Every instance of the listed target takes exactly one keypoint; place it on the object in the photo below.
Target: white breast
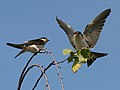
(34, 48)
(80, 43)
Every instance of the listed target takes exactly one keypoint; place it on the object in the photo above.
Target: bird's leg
(44, 51)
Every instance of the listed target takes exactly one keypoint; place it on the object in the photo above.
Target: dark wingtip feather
(56, 17)
(9, 44)
(109, 9)
(19, 46)
(105, 54)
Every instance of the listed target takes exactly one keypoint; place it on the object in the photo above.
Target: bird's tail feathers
(100, 54)
(19, 53)
(94, 56)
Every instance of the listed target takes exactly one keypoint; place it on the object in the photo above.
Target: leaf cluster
(77, 57)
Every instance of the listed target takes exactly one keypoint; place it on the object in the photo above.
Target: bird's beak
(76, 34)
(48, 40)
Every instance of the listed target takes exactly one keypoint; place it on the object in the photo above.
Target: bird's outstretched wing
(68, 30)
(92, 30)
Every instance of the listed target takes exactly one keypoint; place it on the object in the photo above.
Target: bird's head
(44, 39)
(78, 34)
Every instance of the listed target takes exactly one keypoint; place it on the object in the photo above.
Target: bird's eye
(78, 33)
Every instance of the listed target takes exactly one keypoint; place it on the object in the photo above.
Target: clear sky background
(22, 20)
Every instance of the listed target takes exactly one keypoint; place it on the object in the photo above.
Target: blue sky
(22, 20)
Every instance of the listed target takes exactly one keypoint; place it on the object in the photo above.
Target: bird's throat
(80, 42)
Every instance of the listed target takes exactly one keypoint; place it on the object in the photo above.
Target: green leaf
(70, 59)
(85, 53)
(76, 59)
(78, 52)
(66, 51)
(80, 57)
(75, 67)
(72, 54)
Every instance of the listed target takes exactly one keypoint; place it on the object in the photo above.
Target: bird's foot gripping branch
(79, 57)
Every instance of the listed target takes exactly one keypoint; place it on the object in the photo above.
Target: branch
(52, 63)
(62, 61)
(42, 75)
(24, 72)
(36, 65)
(21, 76)
(59, 74)
(46, 79)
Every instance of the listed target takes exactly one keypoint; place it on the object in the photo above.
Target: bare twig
(62, 61)
(24, 72)
(59, 74)
(36, 65)
(47, 82)
(42, 74)
(21, 76)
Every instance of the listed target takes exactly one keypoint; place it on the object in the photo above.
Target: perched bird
(90, 35)
(32, 46)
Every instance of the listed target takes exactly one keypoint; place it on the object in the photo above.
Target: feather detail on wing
(93, 30)
(68, 30)
(35, 41)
